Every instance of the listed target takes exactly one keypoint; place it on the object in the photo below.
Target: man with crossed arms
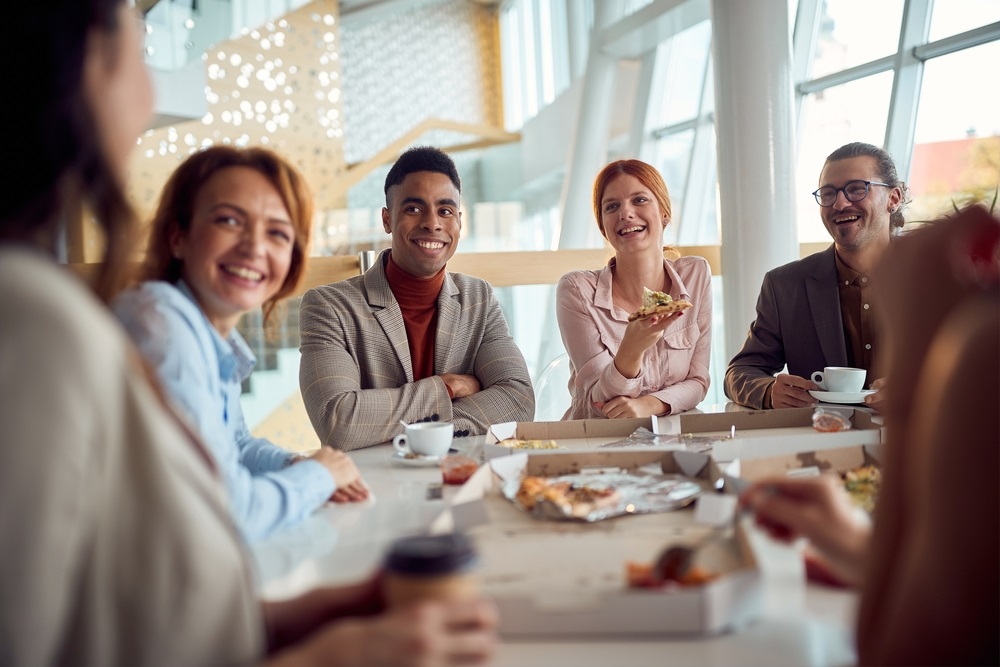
(820, 311)
(408, 341)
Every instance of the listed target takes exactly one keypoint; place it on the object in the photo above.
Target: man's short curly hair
(421, 158)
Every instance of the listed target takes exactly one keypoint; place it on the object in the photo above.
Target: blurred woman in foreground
(229, 237)
(652, 366)
(927, 568)
(118, 548)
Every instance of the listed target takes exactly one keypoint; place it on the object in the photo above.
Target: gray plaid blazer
(356, 374)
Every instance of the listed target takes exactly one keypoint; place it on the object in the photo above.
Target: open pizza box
(567, 578)
(573, 434)
(734, 435)
(813, 462)
(769, 433)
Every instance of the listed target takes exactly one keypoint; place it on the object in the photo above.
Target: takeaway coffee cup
(840, 379)
(430, 567)
(425, 439)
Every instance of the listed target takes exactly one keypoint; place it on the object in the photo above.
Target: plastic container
(430, 567)
(457, 469)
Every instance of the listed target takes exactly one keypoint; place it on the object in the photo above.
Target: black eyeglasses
(854, 191)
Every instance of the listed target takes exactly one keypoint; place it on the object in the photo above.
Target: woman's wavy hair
(176, 208)
(647, 175)
(50, 133)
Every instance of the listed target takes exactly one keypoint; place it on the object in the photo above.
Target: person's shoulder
(348, 287)
(467, 283)
(691, 265)
(161, 310)
(805, 266)
(53, 309)
(581, 277)
(153, 295)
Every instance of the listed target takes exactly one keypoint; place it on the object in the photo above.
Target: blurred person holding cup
(927, 566)
(119, 548)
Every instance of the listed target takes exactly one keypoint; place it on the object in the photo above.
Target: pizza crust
(658, 303)
(664, 309)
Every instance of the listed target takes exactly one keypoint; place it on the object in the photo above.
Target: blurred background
(532, 97)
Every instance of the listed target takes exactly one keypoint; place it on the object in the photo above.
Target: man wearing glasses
(820, 311)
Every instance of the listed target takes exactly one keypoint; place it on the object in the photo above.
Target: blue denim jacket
(202, 372)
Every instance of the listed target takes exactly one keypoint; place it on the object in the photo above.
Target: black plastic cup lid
(429, 555)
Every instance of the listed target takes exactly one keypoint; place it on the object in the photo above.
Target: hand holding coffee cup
(430, 567)
(430, 439)
(840, 379)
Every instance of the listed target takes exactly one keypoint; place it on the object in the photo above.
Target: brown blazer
(356, 374)
(798, 323)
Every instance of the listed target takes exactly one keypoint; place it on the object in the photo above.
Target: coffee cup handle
(399, 442)
(817, 378)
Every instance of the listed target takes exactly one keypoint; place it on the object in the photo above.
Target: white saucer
(841, 396)
(415, 460)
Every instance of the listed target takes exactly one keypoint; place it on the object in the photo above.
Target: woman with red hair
(650, 366)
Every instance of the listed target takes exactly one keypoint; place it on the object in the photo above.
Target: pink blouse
(675, 370)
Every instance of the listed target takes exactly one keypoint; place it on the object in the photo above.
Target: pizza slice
(658, 303)
(863, 485)
(577, 501)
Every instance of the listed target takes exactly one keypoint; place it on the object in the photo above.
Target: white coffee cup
(840, 379)
(425, 439)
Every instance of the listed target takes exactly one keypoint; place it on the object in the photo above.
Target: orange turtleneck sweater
(417, 298)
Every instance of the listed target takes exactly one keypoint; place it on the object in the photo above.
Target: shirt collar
(235, 357)
(845, 274)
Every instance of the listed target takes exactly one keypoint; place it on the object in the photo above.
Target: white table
(801, 625)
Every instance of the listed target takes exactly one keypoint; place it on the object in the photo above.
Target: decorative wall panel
(278, 85)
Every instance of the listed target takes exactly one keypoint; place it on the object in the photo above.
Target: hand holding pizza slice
(658, 303)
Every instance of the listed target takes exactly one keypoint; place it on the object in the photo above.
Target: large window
(932, 104)
(853, 32)
(535, 52)
(951, 17)
(956, 150)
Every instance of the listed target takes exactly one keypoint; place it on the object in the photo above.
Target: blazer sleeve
(507, 394)
(751, 372)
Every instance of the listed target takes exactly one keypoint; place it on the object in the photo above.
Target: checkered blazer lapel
(387, 313)
(448, 326)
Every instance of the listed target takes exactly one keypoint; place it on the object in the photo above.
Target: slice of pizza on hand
(658, 303)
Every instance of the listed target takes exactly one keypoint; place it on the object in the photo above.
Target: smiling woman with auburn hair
(229, 237)
(176, 209)
(653, 365)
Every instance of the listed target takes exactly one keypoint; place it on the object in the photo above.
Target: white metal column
(756, 151)
(590, 140)
(902, 124)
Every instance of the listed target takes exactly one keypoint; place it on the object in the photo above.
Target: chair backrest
(552, 398)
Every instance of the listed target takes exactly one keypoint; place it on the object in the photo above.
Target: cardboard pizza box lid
(825, 460)
(572, 429)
